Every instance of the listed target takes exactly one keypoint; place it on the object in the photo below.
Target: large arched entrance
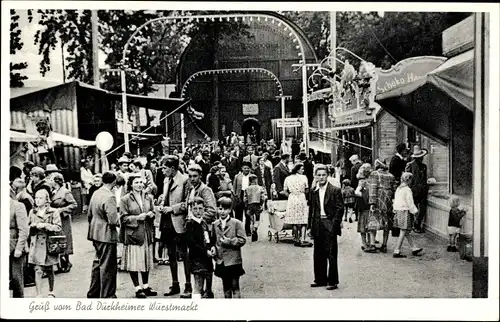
(250, 129)
(227, 99)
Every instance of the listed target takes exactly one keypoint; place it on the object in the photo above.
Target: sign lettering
(287, 123)
(406, 76)
(250, 109)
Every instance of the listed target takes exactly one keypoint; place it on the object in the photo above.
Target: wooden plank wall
(387, 134)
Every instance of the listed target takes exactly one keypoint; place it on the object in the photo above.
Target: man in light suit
(280, 172)
(251, 157)
(103, 232)
(325, 217)
(173, 222)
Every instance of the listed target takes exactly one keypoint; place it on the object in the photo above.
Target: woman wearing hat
(64, 201)
(87, 178)
(123, 170)
(419, 186)
(381, 192)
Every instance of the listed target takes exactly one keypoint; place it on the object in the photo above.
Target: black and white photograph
(163, 156)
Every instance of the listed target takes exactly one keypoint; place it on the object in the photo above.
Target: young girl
(404, 210)
(200, 249)
(229, 236)
(348, 195)
(454, 223)
(362, 200)
(44, 221)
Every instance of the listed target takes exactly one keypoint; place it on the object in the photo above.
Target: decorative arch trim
(231, 71)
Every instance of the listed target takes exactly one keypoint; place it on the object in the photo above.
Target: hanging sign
(250, 109)
(291, 122)
(406, 76)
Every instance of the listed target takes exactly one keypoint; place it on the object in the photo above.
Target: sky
(29, 54)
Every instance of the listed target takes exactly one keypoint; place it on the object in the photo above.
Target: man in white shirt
(241, 183)
(325, 217)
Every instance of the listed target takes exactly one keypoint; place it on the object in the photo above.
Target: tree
(381, 40)
(16, 79)
(155, 51)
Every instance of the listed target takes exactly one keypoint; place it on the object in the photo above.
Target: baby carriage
(277, 228)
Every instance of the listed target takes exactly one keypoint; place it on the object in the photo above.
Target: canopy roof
(58, 137)
(432, 108)
(161, 104)
(456, 78)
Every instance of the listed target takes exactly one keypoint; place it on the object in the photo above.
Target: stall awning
(22, 137)
(58, 137)
(16, 136)
(456, 78)
(443, 99)
(320, 147)
(156, 103)
(345, 127)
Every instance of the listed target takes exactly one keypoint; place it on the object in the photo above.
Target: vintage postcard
(192, 160)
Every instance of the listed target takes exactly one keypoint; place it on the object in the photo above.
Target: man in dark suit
(325, 217)
(103, 232)
(264, 176)
(398, 162)
(205, 165)
(280, 172)
(158, 177)
(308, 167)
(356, 164)
(215, 156)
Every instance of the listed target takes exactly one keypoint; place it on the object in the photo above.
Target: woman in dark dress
(64, 201)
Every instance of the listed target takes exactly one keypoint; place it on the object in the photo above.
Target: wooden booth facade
(241, 101)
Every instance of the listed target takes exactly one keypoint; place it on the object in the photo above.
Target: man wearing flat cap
(39, 181)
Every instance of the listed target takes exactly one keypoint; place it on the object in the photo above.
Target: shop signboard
(406, 76)
(458, 38)
(290, 122)
(250, 109)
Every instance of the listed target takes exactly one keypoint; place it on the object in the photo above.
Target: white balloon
(104, 141)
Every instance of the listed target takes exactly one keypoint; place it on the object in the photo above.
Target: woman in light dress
(405, 210)
(137, 235)
(297, 212)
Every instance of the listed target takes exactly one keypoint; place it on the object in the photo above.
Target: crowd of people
(199, 207)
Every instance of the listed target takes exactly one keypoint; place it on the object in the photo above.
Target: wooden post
(480, 171)
(95, 48)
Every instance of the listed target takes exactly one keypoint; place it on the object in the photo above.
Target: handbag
(373, 220)
(56, 244)
(395, 231)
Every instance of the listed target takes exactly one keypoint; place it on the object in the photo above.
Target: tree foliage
(16, 78)
(382, 40)
(152, 56)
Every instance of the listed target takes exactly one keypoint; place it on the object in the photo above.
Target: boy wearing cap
(254, 198)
